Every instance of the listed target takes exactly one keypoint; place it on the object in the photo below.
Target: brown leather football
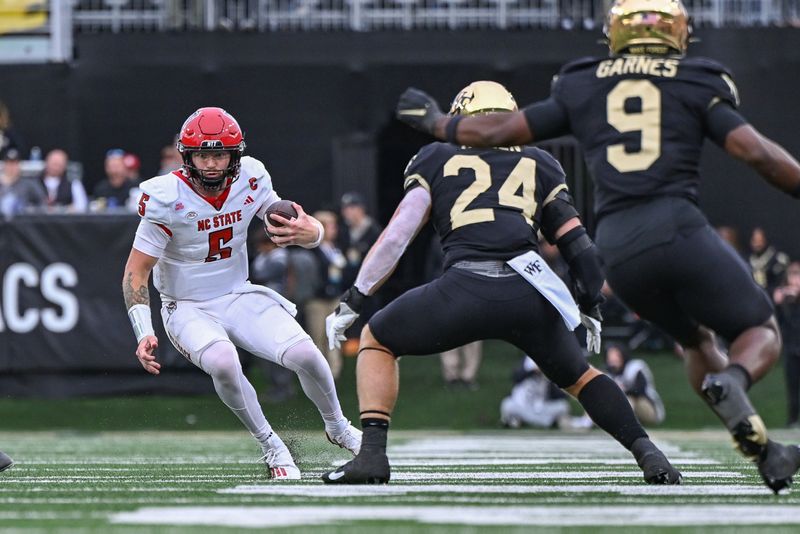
(283, 208)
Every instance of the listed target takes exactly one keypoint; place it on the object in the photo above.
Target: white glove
(593, 329)
(337, 322)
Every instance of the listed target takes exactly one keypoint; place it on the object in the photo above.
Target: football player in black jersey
(487, 206)
(641, 116)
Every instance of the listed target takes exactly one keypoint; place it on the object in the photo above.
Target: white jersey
(200, 243)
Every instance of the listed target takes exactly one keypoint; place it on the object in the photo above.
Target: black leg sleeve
(610, 410)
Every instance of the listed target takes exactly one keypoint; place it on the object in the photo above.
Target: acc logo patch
(191, 215)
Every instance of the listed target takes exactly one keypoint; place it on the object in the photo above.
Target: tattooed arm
(137, 300)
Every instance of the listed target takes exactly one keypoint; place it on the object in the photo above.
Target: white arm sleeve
(150, 238)
(411, 214)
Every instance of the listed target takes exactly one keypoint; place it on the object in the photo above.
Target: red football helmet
(211, 129)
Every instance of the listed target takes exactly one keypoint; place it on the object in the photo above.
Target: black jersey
(487, 203)
(641, 121)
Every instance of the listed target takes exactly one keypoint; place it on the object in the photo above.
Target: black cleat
(777, 464)
(655, 466)
(369, 467)
(5, 461)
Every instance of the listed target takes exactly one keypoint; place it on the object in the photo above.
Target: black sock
(610, 410)
(375, 432)
(740, 374)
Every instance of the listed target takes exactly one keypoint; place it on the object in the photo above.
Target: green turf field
(424, 401)
(498, 481)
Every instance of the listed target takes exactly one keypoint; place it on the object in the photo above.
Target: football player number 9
(647, 121)
(523, 176)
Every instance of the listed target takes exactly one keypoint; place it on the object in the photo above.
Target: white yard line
(281, 516)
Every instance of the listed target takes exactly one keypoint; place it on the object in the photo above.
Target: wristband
(795, 192)
(450, 129)
(139, 314)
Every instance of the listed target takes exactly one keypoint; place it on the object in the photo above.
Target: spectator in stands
(361, 233)
(730, 235)
(270, 268)
(60, 190)
(114, 191)
(331, 262)
(767, 263)
(17, 194)
(636, 380)
(787, 302)
(9, 136)
(171, 160)
(132, 166)
(460, 366)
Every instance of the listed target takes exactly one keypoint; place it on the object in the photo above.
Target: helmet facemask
(199, 177)
(211, 130)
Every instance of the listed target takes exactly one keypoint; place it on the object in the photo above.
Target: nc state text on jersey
(224, 219)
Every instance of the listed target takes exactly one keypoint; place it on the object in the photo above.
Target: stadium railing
(366, 15)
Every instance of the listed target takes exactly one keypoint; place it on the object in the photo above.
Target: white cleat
(350, 439)
(279, 462)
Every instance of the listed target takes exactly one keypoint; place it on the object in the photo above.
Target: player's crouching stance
(193, 235)
(486, 205)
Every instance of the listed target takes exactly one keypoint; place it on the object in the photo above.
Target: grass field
(498, 481)
(185, 464)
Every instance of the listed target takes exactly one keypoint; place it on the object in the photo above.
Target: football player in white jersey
(192, 235)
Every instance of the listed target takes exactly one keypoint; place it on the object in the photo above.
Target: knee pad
(221, 360)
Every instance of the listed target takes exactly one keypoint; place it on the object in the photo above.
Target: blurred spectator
(460, 365)
(171, 160)
(636, 380)
(114, 191)
(331, 262)
(361, 233)
(132, 166)
(270, 268)
(9, 137)
(60, 190)
(730, 235)
(787, 304)
(535, 401)
(17, 194)
(768, 265)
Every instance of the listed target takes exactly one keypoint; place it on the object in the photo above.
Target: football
(283, 208)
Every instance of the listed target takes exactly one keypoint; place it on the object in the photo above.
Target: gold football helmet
(647, 26)
(482, 97)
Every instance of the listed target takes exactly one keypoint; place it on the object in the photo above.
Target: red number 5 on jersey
(215, 241)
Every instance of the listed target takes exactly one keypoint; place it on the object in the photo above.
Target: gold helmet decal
(647, 26)
(482, 97)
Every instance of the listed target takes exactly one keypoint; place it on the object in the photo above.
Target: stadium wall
(313, 102)
(318, 109)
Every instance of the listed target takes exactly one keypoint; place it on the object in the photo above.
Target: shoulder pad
(707, 64)
(421, 167)
(253, 168)
(162, 189)
(580, 64)
(425, 153)
(544, 158)
(162, 192)
(713, 75)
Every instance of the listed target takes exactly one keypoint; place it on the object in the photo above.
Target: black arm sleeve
(555, 213)
(581, 255)
(721, 119)
(546, 119)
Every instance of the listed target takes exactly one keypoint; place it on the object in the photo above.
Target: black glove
(419, 110)
(353, 298)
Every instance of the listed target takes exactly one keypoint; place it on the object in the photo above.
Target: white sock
(221, 361)
(315, 376)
